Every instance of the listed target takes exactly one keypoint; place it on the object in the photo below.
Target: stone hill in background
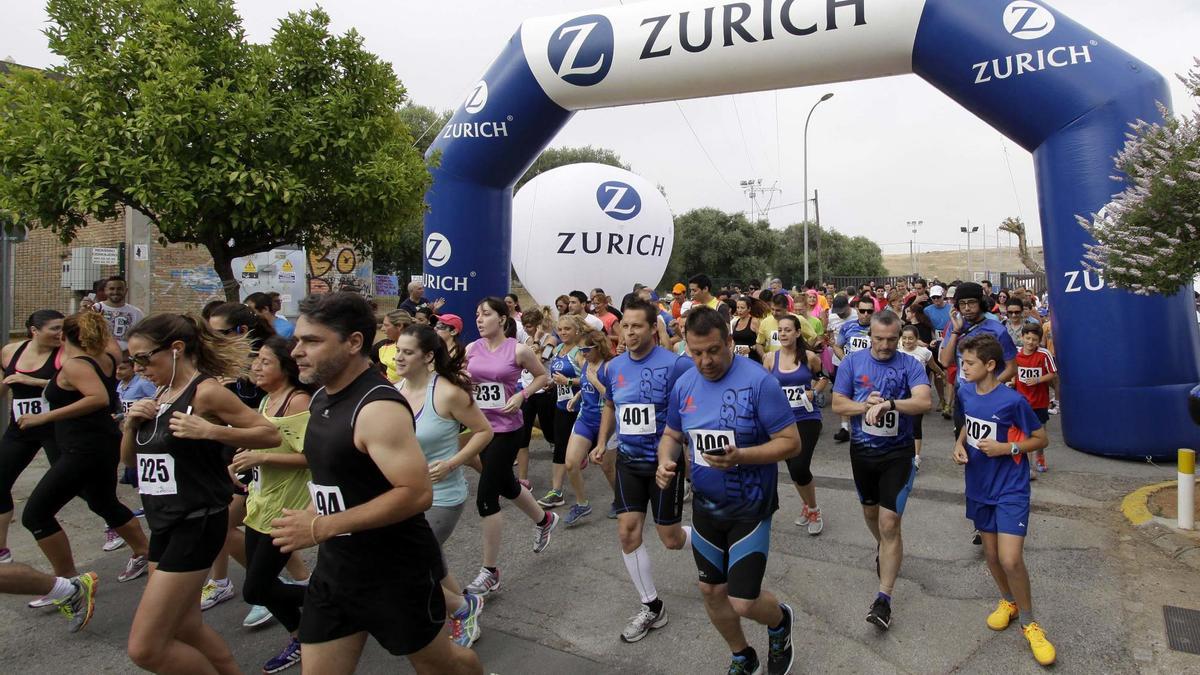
(952, 264)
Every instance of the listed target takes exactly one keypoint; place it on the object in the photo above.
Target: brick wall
(37, 267)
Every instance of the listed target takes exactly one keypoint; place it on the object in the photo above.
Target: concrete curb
(1158, 531)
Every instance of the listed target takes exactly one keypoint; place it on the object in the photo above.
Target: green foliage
(556, 157)
(163, 106)
(721, 245)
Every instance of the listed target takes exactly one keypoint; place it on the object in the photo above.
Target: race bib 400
(708, 440)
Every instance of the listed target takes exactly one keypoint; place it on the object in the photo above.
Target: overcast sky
(881, 152)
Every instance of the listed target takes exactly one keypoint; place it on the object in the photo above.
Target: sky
(881, 152)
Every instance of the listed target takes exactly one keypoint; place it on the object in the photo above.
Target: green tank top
(276, 488)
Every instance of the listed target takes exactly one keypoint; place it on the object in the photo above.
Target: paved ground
(1099, 590)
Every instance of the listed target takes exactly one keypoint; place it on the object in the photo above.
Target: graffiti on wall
(338, 268)
(202, 280)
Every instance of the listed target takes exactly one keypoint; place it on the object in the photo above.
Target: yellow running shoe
(1005, 612)
(1043, 651)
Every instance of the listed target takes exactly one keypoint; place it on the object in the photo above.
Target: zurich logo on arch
(581, 50)
(437, 249)
(618, 200)
(477, 99)
(1027, 20)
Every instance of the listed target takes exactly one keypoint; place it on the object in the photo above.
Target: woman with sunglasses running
(564, 383)
(28, 368)
(439, 393)
(176, 441)
(83, 400)
(494, 362)
(596, 351)
(799, 373)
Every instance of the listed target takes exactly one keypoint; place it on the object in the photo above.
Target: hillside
(952, 264)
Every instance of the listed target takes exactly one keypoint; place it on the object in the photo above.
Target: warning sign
(249, 271)
(287, 272)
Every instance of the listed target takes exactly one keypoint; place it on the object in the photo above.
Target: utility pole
(912, 256)
(808, 119)
(817, 210)
(969, 230)
(753, 187)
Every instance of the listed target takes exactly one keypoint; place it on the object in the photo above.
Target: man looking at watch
(880, 390)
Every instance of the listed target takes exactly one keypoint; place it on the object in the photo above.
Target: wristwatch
(892, 403)
(1015, 450)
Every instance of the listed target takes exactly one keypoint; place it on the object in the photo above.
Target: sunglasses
(444, 326)
(143, 358)
(862, 310)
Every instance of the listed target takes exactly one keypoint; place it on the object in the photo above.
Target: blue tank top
(796, 385)
(589, 401)
(438, 437)
(564, 364)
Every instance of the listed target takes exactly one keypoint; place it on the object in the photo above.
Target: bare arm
(83, 379)
(783, 444)
(246, 428)
(530, 361)
(463, 408)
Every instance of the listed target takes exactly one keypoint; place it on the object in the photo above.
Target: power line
(742, 131)
(701, 144)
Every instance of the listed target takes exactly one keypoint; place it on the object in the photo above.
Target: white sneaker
(643, 622)
(37, 603)
(485, 582)
(214, 594)
(815, 523)
(112, 540)
(804, 515)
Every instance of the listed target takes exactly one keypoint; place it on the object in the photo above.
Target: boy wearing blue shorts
(999, 431)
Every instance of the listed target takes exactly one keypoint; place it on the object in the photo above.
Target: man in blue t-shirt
(737, 425)
(637, 387)
(882, 390)
(853, 336)
(972, 319)
(1000, 430)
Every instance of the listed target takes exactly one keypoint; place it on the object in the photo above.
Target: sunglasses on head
(143, 358)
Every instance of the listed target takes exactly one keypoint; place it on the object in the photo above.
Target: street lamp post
(912, 256)
(969, 231)
(824, 98)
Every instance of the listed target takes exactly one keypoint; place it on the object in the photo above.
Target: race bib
(978, 429)
(888, 427)
(775, 338)
(156, 475)
(29, 406)
(798, 398)
(637, 419)
(858, 343)
(1028, 373)
(564, 392)
(489, 395)
(255, 480)
(708, 440)
(126, 405)
(741, 350)
(937, 335)
(326, 499)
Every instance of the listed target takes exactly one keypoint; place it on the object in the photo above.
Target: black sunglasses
(865, 311)
(143, 358)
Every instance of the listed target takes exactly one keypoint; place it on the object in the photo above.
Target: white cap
(936, 291)
(950, 293)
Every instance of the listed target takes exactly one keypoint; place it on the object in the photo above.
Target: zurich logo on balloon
(1027, 20)
(581, 50)
(619, 200)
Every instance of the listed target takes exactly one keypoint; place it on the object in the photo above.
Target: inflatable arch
(1049, 84)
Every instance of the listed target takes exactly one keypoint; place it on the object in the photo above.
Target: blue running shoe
(577, 514)
(287, 658)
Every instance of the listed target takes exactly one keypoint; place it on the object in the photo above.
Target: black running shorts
(731, 552)
(190, 544)
(635, 488)
(404, 617)
(885, 480)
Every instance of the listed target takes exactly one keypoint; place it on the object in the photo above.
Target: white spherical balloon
(585, 226)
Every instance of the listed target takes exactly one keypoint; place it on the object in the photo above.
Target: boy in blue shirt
(999, 430)
(738, 425)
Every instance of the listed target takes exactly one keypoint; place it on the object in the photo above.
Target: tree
(722, 245)
(556, 157)
(839, 255)
(163, 106)
(1148, 236)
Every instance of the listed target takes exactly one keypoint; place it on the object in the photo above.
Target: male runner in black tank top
(379, 566)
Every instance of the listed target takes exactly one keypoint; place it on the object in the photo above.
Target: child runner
(1036, 372)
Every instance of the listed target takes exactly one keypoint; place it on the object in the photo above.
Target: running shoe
(80, 605)
(977, 539)
(745, 665)
(257, 616)
(139, 513)
(5, 556)
(1005, 612)
(1043, 651)
(947, 413)
(38, 603)
(576, 515)
(485, 582)
(112, 540)
(1040, 463)
(214, 594)
(612, 511)
(541, 533)
(464, 626)
(285, 659)
(880, 614)
(135, 567)
(804, 516)
(643, 622)
(1053, 409)
(842, 435)
(779, 655)
(552, 499)
(816, 524)
(525, 484)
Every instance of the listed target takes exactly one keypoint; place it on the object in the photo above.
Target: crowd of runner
(252, 436)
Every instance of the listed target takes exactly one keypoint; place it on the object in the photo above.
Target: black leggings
(90, 475)
(497, 478)
(564, 420)
(17, 450)
(264, 562)
(542, 406)
(798, 466)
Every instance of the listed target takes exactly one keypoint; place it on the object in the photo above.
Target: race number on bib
(741, 350)
(29, 406)
(888, 426)
(978, 429)
(858, 343)
(1028, 373)
(798, 397)
(708, 440)
(126, 405)
(156, 475)
(775, 338)
(326, 499)
(564, 392)
(637, 419)
(489, 395)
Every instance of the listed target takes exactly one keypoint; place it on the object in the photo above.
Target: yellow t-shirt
(768, 336)
(276, 488)
(387, 356)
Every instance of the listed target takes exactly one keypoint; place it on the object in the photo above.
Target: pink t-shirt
(495, 375)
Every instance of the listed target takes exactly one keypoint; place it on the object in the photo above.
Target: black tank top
(179, 477)
(28, 398)
(746, 337)
(94, 432)
(343, 476)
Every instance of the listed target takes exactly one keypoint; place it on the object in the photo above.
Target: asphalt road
(1097, 592)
